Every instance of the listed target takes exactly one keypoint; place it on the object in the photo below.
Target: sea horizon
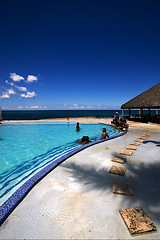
(49, 114)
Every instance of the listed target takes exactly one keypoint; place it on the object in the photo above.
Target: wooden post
(129, 112)
(149, 111)
(141, 112)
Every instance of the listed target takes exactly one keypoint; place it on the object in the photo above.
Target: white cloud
(29, 95)
(11, 92)
(35, 107)
(76, 106)
(32, 107)
(89, 107)
(31, 78)
(15, 77)
(8, 93)
(5, 95)
(10, 83)
(23, 89)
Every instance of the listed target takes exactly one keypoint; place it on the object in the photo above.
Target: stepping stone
(117, 170)
(131, 147)
(143, 138)
(137, 220)
(138, 140)
(151, 132)
(135, 144)
(126, 152)
(122, 188)
(145, 135)
(118, 160)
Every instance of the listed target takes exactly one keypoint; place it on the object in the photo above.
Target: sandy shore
(93, 120)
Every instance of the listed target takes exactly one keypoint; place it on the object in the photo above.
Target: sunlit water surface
(25, 148)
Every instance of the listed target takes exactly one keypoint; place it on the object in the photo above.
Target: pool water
(25, 148)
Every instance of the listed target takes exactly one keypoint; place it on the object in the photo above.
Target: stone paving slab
(117, 170)
(139, 140)
(126, 152)
(137, 220)
(131, 147)
(142, 138)
(122, 188)
(118, 160)
(151, 132)
(135, 143)
(146, 135)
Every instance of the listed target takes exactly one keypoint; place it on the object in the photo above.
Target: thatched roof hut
(148, 99)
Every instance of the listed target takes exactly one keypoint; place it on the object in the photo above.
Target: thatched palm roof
(147, 99)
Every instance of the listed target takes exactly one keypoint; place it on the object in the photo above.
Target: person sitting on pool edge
(126, 125)
(123, 125)
(116, 119)
(104, 134)
(77, 127)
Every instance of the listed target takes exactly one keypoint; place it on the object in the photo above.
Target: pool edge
(16, 198)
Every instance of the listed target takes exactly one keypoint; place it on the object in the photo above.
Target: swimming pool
(26, 148)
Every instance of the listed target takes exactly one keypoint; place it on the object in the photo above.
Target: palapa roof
(147, 99)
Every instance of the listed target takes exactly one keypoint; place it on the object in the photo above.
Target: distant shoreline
(54, 114)
(88, 119)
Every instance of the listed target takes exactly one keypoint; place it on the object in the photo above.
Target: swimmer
(104, 134)
(77, 127)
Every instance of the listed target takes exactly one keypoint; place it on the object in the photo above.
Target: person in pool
(67, 116)
(77, 127)
(104, 134)
(84, 140)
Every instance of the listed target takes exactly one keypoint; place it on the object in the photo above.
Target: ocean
(48, 114)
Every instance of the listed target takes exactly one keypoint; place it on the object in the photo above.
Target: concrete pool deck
(76, 200)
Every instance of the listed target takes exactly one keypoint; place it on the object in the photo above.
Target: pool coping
(16, 198)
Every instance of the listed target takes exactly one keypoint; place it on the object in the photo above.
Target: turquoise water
(25, 148)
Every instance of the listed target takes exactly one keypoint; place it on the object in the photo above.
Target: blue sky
(72, 54)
